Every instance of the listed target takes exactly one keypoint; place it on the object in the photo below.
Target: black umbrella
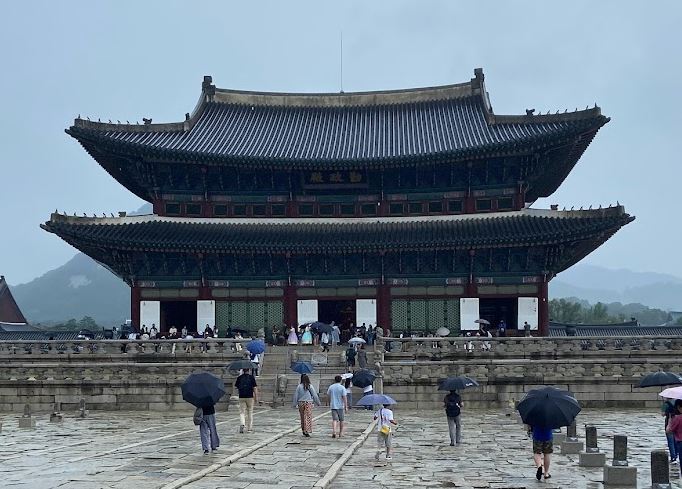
(457, 383)
(363, 378)
(203, 389)
(659, 379)
(241, 364)
(548, 407)
(322, 327)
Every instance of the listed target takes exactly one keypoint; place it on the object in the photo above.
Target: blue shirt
(336, 393)
(542, 434)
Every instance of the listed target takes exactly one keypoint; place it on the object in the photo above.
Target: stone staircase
(277, 362)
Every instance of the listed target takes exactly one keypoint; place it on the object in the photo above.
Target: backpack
(452, 409)
(198, 417)
(350, 353)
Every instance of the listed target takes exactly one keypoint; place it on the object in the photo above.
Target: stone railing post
(618, 473)
(660, 470)
(591, 457)
(571, 445)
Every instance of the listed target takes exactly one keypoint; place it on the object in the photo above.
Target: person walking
(542, 449)
(384, 431)
(668, 410)
(348, 384)
(304, 397)
(292, 339)
(526, 328)
(350, 356)
(208, 431)
(248, 395)
(362, 357)
(325, 341)
(336, 335)
(675, 428)
(338, 403)
(453, 409)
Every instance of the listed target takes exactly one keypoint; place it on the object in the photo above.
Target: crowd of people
(307, 334)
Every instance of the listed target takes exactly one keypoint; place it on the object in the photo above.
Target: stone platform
(152, 450)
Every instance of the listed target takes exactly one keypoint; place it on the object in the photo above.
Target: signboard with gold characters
(335, 179)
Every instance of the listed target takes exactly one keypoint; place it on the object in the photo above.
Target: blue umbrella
(302, 368)
(256, 346)
(373, 399)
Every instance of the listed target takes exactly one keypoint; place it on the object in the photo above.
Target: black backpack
(452, 409)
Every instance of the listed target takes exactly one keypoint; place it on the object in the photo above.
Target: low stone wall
(148, 376)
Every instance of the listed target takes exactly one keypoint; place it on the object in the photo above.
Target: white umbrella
(672, 392)
(347, 376)
(355, 340)
(442, 331)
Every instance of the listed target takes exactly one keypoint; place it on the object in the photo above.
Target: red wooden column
(135, 306)
(384, 307)
(290, 306)
(543, 309)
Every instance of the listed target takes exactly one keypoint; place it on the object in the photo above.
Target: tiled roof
(518, 228)
(342, 130)
(42, 335)
(613, 330)
(9, 310)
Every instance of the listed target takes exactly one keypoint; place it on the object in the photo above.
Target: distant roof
(344, 130)
(629, 328)
(14, 327)
(9, 310)
(39, 335)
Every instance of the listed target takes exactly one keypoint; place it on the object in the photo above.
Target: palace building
(407, 209)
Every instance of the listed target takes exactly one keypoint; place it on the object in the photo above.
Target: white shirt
(385, 416)
(368, 388)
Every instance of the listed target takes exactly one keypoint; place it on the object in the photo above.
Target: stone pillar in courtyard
(660, 471)
(27, 421)
(571, 445)
(56, 416)
(618, 473)
(591, 457)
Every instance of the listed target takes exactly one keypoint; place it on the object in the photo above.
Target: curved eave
(517, 229)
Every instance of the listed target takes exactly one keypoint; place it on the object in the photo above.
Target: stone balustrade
(125, 348)
(452, 348)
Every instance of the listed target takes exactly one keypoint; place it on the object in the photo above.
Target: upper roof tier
(342, 130)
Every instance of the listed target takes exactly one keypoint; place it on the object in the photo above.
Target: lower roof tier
(290, 236)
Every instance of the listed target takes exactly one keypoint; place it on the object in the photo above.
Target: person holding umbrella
(543, 410)
(453, 404)
(675, 428)
(203, 390)
(304, 397)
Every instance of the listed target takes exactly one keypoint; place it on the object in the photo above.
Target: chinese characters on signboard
(345, 178)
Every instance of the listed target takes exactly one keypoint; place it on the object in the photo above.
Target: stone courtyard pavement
(156, 450)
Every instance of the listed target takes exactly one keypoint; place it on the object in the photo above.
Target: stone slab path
(153, 450)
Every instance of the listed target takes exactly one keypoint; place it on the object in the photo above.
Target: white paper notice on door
(150, 314)
(468, 313)
(528, 311)
(205, 315)
(307, 311)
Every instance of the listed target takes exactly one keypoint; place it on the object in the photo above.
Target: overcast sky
(128, 60)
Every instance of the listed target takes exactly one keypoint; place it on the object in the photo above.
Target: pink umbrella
(672, 392)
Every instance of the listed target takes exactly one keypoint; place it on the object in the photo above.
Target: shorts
(337, 414)
(543, 446)
(384, 440)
